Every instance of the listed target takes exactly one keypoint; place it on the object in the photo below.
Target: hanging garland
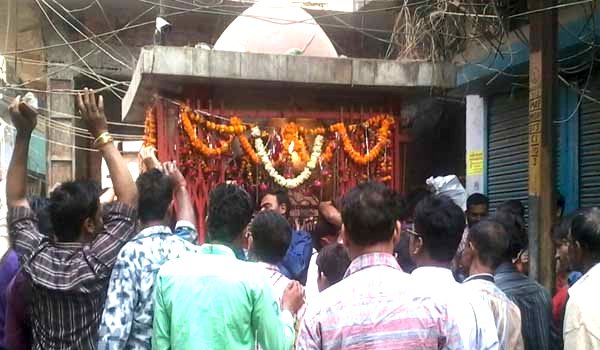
(382, 139)
(278, 178)
(291, 137)
(236, 122)
(150, 129)
(196, 142)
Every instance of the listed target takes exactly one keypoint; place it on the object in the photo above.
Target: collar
(579, 286)
(153, 230)
(372, 259)
(433, 273)
(216, 249)
(480, 276)
(68, 245)
(506, 267)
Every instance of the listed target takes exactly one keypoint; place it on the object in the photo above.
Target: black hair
(155, 195)
(491, 241)
(282, 197)
(585, 229)
(368, 214)
(39, 205)
(333, 261)
(70, 204)
(514, 226)
(271, 236)
(560, 230)
(411, 200)
(403, 255)
(477, 199)
(229, 212)
(441, 224)
(322, 229)
(400, 207)
(514, 207)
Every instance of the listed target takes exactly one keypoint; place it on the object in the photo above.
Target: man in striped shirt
(70, 273)
(374, 306)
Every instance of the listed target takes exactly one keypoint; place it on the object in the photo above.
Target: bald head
(490, 241)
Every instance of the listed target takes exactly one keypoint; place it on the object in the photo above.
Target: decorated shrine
(314, 125)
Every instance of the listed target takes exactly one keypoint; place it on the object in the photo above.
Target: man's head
(332, 262)
(514, 207)
(515, 228)
(271, 236)
(75, 211)
(155, 196)
(584, 249)
(439, 226)
(276, 199)
(324, 233)
(560, 238)
(486, 246)
(229, 212)
(368, 214)
(477, 208)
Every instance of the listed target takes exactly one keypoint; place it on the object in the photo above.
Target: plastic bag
(451, 187)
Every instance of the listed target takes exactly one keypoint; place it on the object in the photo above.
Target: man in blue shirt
(295, 262)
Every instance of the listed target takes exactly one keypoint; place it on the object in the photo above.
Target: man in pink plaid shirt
(375, 305)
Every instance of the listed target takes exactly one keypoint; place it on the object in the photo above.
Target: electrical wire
(70, 46)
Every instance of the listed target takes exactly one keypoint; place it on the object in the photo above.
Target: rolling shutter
(589, 153)
(507, 149)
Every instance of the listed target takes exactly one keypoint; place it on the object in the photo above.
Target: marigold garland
(382, 139)
(150, 129)
(290, 133)
(327, 156)
(196, 142)
(244, 142)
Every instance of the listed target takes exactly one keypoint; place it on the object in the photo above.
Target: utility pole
(542, 78)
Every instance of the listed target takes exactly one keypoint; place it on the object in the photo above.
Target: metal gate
(589, 154)
(507, 147)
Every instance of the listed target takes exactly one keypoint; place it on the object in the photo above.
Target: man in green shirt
(211, 300)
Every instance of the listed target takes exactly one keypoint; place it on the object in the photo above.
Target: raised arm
(185, 208)
(95, 119)
(24, 118)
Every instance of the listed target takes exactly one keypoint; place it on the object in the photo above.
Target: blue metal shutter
(507, 149)
(589, 154)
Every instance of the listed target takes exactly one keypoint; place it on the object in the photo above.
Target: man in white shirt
(486, 244)
(439, 225)
(582, 319)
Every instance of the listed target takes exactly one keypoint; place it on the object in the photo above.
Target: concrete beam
(195, 65)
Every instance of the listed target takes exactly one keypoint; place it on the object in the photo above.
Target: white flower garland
(279, 179)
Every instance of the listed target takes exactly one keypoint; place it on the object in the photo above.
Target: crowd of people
(378, 270)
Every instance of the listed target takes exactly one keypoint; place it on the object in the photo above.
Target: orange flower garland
(236, 123)
(290, 134)
(197, 143)
(150, 129)
(382, 139)
(327, 156)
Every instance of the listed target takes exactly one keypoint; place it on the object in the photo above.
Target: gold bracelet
(103, 139)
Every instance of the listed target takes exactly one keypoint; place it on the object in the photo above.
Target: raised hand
(24, 117)
(172, 171)
(92, 112)
(148, 156)
(293, 297)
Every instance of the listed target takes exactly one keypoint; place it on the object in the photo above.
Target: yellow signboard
(475, 163)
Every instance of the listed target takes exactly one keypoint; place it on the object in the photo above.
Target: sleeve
(161, 338)
(23, 230)
(119, 226)
(310, 334)
(274, 329)
(186, 231)
(15, 327)
(121, 298)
